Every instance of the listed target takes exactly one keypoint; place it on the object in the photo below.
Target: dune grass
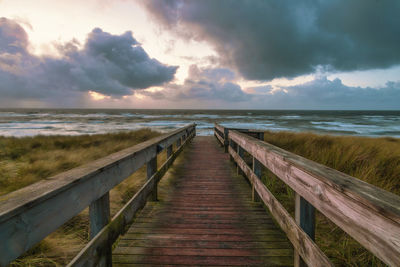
(373, 160)
(24, 161)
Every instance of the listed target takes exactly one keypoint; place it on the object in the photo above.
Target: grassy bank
(374, 160)
(24, 161)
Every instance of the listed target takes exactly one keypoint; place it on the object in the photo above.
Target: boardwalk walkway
(207, 219)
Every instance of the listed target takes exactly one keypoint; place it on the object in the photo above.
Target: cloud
(266, 39)
(112, 65)
(204, 84)
(322, 93)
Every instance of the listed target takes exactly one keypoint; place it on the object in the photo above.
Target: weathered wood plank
(99, 216)
(220, 139)
(145, 260)
(219, 252)
(148, 243)
(90, 254)
(220, 129)
(206, 219)
(305, 218)
(367, 213)
(151, 169)
(310, 252)
(257, 169)
(30, 214)
(170, 151)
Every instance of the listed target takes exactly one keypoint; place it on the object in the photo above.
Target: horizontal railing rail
(30, 214)
(222, 134)
(367, 213)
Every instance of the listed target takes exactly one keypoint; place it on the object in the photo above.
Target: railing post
(305, 218)
(99, 215)
(178, 142)
(151, 168)
(261, 136)
(240, 152)
(226, 139)
(257, 169)
(170, 150)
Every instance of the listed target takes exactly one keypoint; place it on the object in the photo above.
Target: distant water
(30, 122)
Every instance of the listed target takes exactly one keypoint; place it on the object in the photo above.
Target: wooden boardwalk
(205, 215)
(207, 218)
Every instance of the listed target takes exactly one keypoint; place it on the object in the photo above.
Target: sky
(260, 54)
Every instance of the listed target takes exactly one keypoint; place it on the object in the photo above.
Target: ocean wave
(55, 122)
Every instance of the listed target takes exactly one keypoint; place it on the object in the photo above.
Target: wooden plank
(170, 151)
(367, 213)
(151, 169)
(220, 129)
(240, 152)
(165, 260)
(30, 214)
(218, 252)
(257, 169)
(206, 215)
(220, 139)
(309, 251)
(148, 243)
(305, 218)
(99, 216)
(90, 254)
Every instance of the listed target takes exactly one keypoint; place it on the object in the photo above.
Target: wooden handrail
(30, 214)
(367, 213)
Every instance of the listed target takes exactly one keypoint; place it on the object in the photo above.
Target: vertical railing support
(226, 139)
(151, 168)
(240, 152)
(178, 142)
(170, 150)
(305, 218)
(261, 136)
(257, 169)
(99, 216)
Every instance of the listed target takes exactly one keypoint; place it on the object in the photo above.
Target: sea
(32, 122)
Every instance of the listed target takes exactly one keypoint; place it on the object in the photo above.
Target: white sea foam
(34, 122)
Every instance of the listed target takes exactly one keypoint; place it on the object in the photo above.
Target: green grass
(24, 161)
(373, 160)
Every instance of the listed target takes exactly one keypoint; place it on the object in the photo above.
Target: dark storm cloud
(109, 64)
(204, 84)
(322, 93)
(266, 39)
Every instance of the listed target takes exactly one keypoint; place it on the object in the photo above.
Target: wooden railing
(28, 215)
(368, 214)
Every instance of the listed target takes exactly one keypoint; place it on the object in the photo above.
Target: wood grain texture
(151, 169)
(30, 214)
(220, 139)
(90, 255)
(367, 213)
(99, 217)
(303, 244)
(206, 217)
(305, 218)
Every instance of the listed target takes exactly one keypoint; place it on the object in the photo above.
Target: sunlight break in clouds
(110, 65)
(214, 54)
